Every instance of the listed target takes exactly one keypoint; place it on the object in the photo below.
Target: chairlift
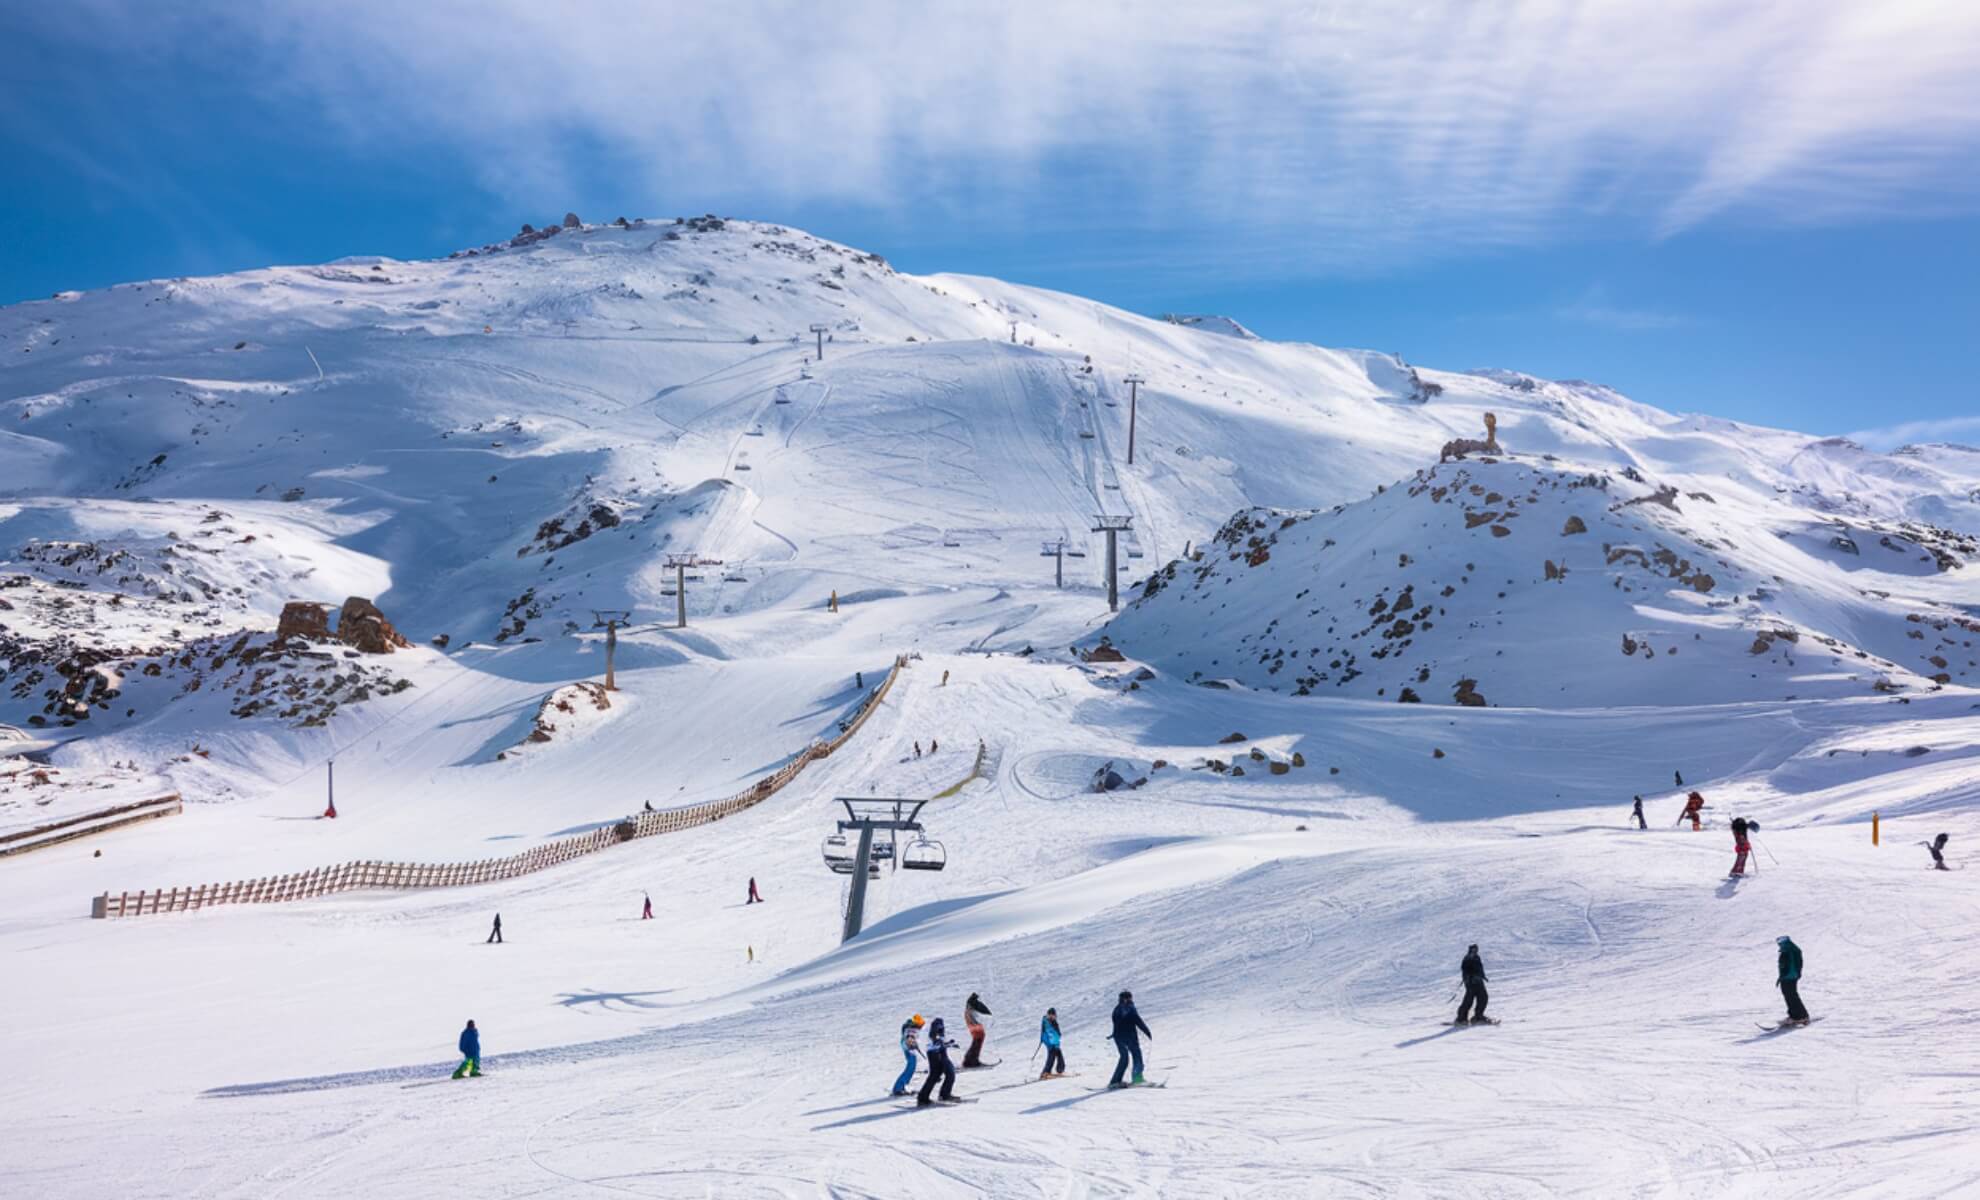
(734, 579)
(1086, 433)
(924, 854)
(756, 431)
(744, 467)
(838, 855)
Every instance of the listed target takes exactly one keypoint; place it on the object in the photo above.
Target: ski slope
(495, 446)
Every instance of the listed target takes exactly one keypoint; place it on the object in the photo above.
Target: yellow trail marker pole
(1874, 819)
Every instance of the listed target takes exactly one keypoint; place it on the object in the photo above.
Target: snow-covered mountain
(368, 515)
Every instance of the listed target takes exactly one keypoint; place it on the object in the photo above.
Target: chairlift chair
(924, 854)
(838, 854)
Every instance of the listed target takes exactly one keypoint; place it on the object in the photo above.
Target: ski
(980, 1066)
(1784, 1026)
(1128, 1087)
(1479, 1021)
(937, 1104)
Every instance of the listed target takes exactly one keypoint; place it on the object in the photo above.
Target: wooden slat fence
(353, 875)
(89, 824)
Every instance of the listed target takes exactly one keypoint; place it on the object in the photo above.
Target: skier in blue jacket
(470, 1052)
(909, 1048)
(1126, 1022)
(1048, 1034)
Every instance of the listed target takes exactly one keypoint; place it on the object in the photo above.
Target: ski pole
(1770, 853)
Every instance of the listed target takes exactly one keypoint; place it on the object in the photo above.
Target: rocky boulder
(304, 619)
(362, 625)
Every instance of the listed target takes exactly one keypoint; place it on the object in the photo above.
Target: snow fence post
(99, 906)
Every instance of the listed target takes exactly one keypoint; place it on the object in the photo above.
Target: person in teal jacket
(1790, 980)
(910, 1046)
(1048, 1035)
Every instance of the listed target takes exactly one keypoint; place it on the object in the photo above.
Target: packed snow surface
(1585, 598)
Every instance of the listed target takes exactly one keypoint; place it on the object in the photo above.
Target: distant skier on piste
(939, 1067)
(495, 934)
(1050, 1037)
(974, 1010)
(1936, 847)
(1678, 777)
(470, 1045)
(1472, 972)
(1694, 806)
(754, 897)
(910, 1031)
(1790, 981)
(646, 910)
(1637, 812)
(1740, 847)
(1126, 1022)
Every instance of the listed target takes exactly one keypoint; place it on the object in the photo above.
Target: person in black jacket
(1741, 847)
(939, 1066)
(974, 1010)
(495, 934)
(1637, 812)
(1937, 847)
(1126, 1022)
(1473, 971)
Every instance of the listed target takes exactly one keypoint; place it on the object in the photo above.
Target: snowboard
(1784, 1026)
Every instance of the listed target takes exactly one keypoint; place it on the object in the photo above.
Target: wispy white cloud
(1948, 429)
(1357, 133)
(1594, 307)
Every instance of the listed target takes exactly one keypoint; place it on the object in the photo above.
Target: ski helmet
(1782, 940)
(1126, 995)
(916, 1021)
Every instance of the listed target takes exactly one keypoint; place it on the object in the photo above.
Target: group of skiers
(1128, 1030)
(1693, 811)
(1471, 973)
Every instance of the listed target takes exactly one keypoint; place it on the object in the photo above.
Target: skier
(649, 806)
(974, 1010)
(753, 897)
(470, 1052)
(646, 914)
(909, 1048)
(917, 749)
(945, 679)
(1126, 1022)
(1637, 812)
(1472, 970)
(1048, 1034)
(859, 680)
(1694, 804)
(1937, 848)
(1740, 848)
(495, 934)
(933, 745)
(1790, 981)
(1679, 777)
(939, 1067)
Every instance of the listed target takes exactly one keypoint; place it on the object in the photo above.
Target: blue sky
(1770, 212)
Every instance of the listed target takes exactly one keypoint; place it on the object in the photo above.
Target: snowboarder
(1126, 1022)
(1937, 848)
(1694, 804)
(646, 914)
(909, 1048)
(470, 1052)
(754, 898)
(1048, 1034)
(495, 934)
(1740, 848)
(1790, 980)
(974, 1010)
(1637, 812)
(859, 680)
(933, 745)
(1472, 971)
(1679, 777)
(939, 1067)
(945, 679)
(917, 749)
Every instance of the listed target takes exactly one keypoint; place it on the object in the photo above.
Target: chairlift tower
(680, 563)
(1113, 527)
(869, 816)
(1134, 383)
(818, 330)
(1056, 550)
(610, 619)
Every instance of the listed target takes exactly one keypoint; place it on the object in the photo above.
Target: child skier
(470, 1052)
(1472, 971)
(1694, 804)
(909, 1048)
(939, 1067)
(1740, 848)
(1126, 1022)
(1637, 812)
(1937, 848)
(974, 1010)
(1048, 1034)
(1790, 981)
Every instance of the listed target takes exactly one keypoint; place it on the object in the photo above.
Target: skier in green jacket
(1790, 981)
